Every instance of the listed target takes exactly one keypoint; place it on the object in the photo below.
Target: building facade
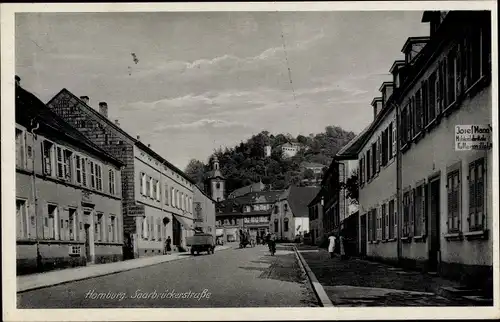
(426, 202)
(251, 211)
(157, 196)
(254, 187)
(204, 212)
(68, 193)
(316, 219)
(290, 149)
(290, 213)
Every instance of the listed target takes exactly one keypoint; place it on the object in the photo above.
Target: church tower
(216, 182)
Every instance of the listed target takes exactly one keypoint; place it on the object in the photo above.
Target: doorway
(434, 219)
(363, 236)
(87, 243)
(176, 232)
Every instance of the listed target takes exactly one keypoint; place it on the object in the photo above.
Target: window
(98, 231)
(406, 214)
(98, 174)
(425, 103)
(72, 224)
(411, 118)
(385, 145)
(379, 223)
(361, 171)
(453, 189)
(22, 219)
(148, 187)
(50, 222)
(178, 199)
(418, 112)
(476, 195)
(60, 162)
(419, 211)
(276, 225)
(112, 181)
(276, 209)
(92, 175)
(379, 153)
(158, 190)
(158, 227)
(285, 221)
(431, 106)
(452, 75)
(392, 221)
(404, 126)
(474, 54)
(154, 190)
(112, 229)
(440, 87)
(20, 149)
(368, 166)
(166, 195)
(80, 170)
(172, 197)
(374, 158)
(48, 152)
(285, 207)
(393, 138)
(68, 171)
(385, 222)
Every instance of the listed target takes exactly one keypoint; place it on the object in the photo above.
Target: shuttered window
(476, 216)
(453, 192)
(392, 220)
(385, 222)
(419, 210)
(60, 162)
(418, 112)
(406, 214)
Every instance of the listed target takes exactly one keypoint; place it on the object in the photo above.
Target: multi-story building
(427, 201)
(68, 193)
(290, 215)
(157, 196)
(331, 185)
(316, 219)
(251, 211)
(204, 212)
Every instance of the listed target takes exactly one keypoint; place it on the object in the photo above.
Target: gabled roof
(28, 107)
(108, 122)
(316, 198)
(299, 199)
(396, 65)
(414, 40)
(254, 187)
(384, 85)
(350, 150)
(376, 99)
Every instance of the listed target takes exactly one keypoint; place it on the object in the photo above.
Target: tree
(195, 170)
(352, 188)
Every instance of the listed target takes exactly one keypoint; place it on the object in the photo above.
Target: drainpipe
(398, 181)
(35, 198)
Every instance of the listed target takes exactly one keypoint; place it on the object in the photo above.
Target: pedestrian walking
(331, 246)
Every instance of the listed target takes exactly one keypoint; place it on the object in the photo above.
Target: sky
(204, 80)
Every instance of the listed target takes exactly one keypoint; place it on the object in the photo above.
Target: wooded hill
(246, 163)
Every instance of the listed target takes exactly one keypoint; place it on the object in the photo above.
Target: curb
(27, 289)
(323, 298)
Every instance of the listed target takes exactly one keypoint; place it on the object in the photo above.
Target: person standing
(331, 246)
(168, 243)
(341, 245)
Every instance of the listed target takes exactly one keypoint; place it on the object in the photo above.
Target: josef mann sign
(472, 137)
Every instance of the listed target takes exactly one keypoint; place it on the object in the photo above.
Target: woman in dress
(331, 246)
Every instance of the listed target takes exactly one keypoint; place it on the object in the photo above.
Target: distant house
(267, 151)
(317, 168)
(290, 149)
(254, 187)
(290, 215)
(251, 211)
(316, 218)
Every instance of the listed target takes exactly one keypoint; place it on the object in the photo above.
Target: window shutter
(423, 211)
(369, 215)
(378, 149)
(394, 137)
(395, 219)
(459, 70)
(472, 195)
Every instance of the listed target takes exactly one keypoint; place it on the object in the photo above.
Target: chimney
(139, 137)
(377, 106)
(18, 81)
(85, 99)
(149, 145)
(103, 109)
(117, 123)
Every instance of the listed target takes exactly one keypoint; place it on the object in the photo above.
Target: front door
(363, 235)
(176, 232)
(434, 219)
(87, 243)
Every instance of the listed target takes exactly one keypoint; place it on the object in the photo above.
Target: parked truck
(201, 242)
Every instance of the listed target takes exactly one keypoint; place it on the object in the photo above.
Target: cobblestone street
(357, 282)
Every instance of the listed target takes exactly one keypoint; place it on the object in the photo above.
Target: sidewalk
(356, 282)
(41, 280)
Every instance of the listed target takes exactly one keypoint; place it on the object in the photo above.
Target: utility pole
(33, 128)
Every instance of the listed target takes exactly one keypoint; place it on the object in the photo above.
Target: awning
(184, 221)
